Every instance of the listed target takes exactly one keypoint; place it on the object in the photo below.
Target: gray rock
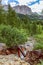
(23, 9)
(2, 46)
(11, 60)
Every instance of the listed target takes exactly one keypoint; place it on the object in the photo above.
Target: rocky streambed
(11, 60)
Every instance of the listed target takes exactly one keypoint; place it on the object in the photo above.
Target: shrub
(40, 63)
(38, 46)
(12, 36)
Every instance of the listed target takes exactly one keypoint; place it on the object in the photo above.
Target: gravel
(11, 60)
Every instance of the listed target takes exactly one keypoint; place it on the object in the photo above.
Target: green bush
(38, 46)
(12, 36)
(39, 29)
(40, 63)
(39, 39)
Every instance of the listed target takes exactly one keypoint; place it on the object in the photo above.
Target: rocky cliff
(23, 9)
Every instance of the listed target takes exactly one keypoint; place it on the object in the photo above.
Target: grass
(40, 63)
(39, 39)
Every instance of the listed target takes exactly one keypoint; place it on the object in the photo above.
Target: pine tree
(33, 28)
(2, 15)
(11, 16)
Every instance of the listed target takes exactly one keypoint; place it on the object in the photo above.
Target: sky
(35, 5)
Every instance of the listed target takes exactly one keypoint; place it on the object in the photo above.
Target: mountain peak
(22, 9)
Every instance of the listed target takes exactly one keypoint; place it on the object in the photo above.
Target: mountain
(23, 9)
(5, 7)
(32, 16)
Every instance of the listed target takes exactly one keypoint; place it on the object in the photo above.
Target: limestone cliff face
(23, 9)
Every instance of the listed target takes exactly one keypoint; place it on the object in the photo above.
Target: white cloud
(4, 2)
(35, 8)
(24, 2)
(12, 4)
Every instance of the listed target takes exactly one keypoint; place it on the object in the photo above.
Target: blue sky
(35, 5)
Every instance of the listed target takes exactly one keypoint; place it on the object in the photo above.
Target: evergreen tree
(2, 16)
(12, 18)
(33, 28)
(26, 22)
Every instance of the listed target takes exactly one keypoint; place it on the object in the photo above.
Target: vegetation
(11, 32)
(39, 43)
(40, 63)
(11, 35)
(15, 28)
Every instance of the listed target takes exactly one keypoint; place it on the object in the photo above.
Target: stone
(11, 60)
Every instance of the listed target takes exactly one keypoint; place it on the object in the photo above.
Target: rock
(8, 52)
(2, 46)
(29, 45)
(11, 60)
(23, 9)
(34, 56)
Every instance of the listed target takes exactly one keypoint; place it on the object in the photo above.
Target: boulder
(2, 46)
